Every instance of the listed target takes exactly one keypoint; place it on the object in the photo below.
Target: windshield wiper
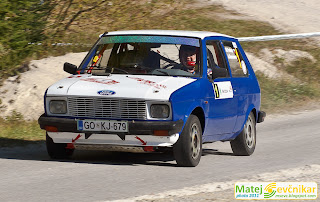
(112, 69)
(102, 71)
(164, 72)
(99, 72)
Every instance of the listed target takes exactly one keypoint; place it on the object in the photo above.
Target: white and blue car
(155, 89)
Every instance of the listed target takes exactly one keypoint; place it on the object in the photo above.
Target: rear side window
(237, 65)
(215, 58)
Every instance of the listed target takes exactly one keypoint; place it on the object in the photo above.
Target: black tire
(57, 150)
(245, 142)
(188, 149)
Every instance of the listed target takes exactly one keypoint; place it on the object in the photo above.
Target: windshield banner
(151, 39)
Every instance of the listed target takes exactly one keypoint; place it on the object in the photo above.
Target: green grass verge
(14, 131)
(278, 96)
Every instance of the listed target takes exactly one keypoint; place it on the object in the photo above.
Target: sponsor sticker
(244, 67)
(276, 190)
(103, 81)
(106, 92)
(148, 82)
(222, 90)
(234, 44)
(230, 53)
(74, 76)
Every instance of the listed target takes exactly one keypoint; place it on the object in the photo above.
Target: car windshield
(144, 55)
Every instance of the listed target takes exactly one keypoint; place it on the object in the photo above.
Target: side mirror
(70, 68)
(219, 72)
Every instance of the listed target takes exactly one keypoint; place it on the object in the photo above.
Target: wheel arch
(198, 111)
(250, 109)
(254, 111)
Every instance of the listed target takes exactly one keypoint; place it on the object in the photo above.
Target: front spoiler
(78, 139)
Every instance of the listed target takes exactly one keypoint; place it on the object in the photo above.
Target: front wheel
(57, 150)
(188, 149)
(245, 142)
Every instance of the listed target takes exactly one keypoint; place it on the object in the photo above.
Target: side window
(215, 60)
(237, 65)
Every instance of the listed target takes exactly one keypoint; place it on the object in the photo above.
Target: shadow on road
(8, 142)
(206, 152)
(123, 158)
(37, 152)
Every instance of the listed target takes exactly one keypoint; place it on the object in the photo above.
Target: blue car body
(225, 118)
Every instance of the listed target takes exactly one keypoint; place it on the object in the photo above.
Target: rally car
(155, 89)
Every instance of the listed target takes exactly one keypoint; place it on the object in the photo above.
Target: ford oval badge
(106, 92)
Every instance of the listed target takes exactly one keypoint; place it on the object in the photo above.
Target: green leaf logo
(270, 192)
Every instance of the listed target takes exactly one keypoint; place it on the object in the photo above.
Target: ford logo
(106, 92)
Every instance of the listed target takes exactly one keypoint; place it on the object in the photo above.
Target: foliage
(21, 22)
(47, 22)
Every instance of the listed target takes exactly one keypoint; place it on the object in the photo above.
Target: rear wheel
(188, 149)
(57, 150)
(245, 142)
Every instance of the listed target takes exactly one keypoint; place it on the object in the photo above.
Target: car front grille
(106, 108)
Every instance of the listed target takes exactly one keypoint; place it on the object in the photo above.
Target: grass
(282, 95)
(17, 132)
(279, 96)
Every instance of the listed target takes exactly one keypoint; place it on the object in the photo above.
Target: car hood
(119, 86)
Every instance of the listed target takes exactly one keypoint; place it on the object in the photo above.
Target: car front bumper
(135, 127)
(141, 133)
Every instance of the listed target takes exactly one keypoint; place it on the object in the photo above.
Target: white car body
(149, 88)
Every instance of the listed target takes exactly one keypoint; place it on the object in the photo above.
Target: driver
(188, 56)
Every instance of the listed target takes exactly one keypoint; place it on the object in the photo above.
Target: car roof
(197, 34)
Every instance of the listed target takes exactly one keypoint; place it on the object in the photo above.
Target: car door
(240, 79)
(222, 113)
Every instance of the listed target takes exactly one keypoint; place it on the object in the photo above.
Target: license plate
(102, 125)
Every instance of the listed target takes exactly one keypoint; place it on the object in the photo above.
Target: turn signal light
(51, 128)
(161, 133)
(148, 149)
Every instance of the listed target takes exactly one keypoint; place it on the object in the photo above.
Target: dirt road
(294, 16)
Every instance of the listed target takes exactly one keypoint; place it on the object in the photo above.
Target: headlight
(159, 111)
(58, 107)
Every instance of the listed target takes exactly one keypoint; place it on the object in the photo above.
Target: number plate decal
(102, 125)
